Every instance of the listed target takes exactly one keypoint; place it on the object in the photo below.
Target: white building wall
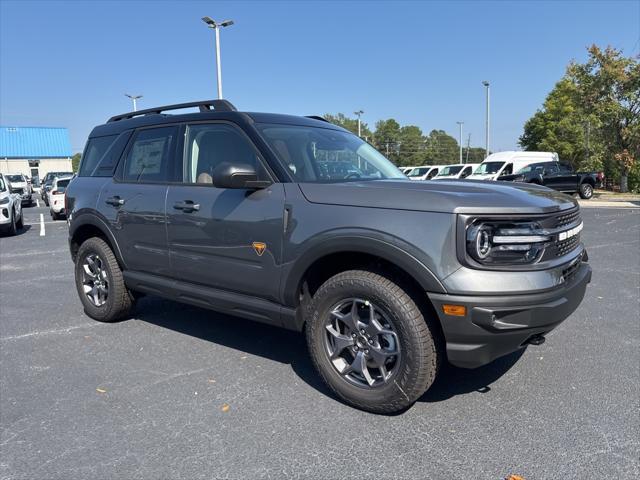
(46, 165)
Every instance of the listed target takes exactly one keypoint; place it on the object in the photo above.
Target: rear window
(102, 154)
(150, 157)
(15, 178)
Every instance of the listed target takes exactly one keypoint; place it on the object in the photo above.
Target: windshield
(15, 178)
(488, 168)
(418, 172)
(449, 171)
(323, 155)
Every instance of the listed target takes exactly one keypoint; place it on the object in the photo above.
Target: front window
(15, 178)
(450, 171)
(418, 172)
(61, 185)
(488, 168)
(323, 155)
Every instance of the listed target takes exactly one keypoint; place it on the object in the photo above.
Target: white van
(425, 172)
(457, 170)
(506, 163)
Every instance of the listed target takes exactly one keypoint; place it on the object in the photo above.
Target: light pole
(133, 99)
(486, 84)
(211, 23)
(460, 139)
(358, 113)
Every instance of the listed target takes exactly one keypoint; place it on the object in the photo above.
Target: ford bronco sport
(243, 213)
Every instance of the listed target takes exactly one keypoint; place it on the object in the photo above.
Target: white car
(18, 184)
(406, 170)
(425, 172)
(458, 170)
(55, 197)
(10, 209)
(505, 163)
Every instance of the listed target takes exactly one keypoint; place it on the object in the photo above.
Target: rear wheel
(13, 227)
(370, 343)
(100, 283)
(586, 191)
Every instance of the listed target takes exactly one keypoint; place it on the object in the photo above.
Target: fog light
(455, 310)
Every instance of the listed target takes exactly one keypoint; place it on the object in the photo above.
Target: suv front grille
(567, 218)
(565, 246)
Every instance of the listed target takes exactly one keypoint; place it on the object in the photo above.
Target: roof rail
(204, 105)
(318, 117)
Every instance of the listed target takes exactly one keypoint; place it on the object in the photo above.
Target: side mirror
(241, 176)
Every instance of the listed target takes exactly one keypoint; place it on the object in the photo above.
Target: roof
(34, 142)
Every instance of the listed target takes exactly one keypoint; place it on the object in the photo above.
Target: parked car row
(542, 168)
(11, 219)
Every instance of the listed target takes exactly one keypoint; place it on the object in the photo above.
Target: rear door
(567, 179)
(551, 175)
(230, 239)
(134, 203)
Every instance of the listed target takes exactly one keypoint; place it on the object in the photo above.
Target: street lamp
(133, 99)
(211, 23)
(460, 139)
(486, 84)
(358, 113)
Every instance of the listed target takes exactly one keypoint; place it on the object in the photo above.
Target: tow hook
(535, 340)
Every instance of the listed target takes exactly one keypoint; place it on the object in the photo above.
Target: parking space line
(41, 225)
(37, 203)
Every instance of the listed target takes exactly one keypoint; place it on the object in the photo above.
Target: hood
(455, 196)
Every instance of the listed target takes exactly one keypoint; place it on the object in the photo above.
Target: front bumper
(498, 325)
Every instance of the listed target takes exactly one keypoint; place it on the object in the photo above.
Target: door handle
(187, 206)
(116, 201)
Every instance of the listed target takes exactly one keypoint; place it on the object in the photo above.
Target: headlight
(4, 201)
(499, 243)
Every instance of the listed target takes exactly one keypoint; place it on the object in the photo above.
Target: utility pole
(133, 99)
(216, 27)
(460, 139)
(468, 146)
(486, 84)
(358, 113)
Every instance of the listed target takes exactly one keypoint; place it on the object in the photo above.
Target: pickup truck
(556, 175)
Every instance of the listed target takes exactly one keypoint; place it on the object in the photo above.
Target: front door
(230, 239)
(134, 203)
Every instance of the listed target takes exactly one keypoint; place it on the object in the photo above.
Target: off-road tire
(420, 358)
(586, 191)
(119, 301)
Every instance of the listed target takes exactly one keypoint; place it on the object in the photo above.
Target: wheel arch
(331, 256)
(86, 227)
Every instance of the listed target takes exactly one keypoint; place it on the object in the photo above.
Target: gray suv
(243, 213)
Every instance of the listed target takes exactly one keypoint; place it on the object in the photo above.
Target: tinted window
(150, 156)
(93, 153)
(314, 154)
(418, 172)
(2, 185)
(564, 168)
(551, 169)
(15, 178)
(208, 146)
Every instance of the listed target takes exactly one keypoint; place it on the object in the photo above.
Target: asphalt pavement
(181, 392)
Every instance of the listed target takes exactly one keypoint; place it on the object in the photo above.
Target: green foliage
(350, 124)
(406, 145)
(75, 161)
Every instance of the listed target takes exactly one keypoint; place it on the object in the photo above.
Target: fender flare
(358, 244)
(80, 220)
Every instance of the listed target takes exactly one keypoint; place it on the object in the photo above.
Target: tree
(411, 149)
(441, 149)
(562, 126)
(386, 138)
(608, 87)
(75, 161)
(350, 124)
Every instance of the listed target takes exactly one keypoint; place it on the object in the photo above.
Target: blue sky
(69, 63)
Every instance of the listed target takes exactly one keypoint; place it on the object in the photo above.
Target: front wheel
(370, 342)
(586, 191)
(100, 283)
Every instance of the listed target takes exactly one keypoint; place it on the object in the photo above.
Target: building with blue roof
(34, 151)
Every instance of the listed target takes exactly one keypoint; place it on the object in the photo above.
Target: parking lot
(181, 392)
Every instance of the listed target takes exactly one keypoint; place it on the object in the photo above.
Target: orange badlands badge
(259, 247)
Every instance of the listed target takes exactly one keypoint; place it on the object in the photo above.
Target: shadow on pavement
(21, 231)
(288, 347)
